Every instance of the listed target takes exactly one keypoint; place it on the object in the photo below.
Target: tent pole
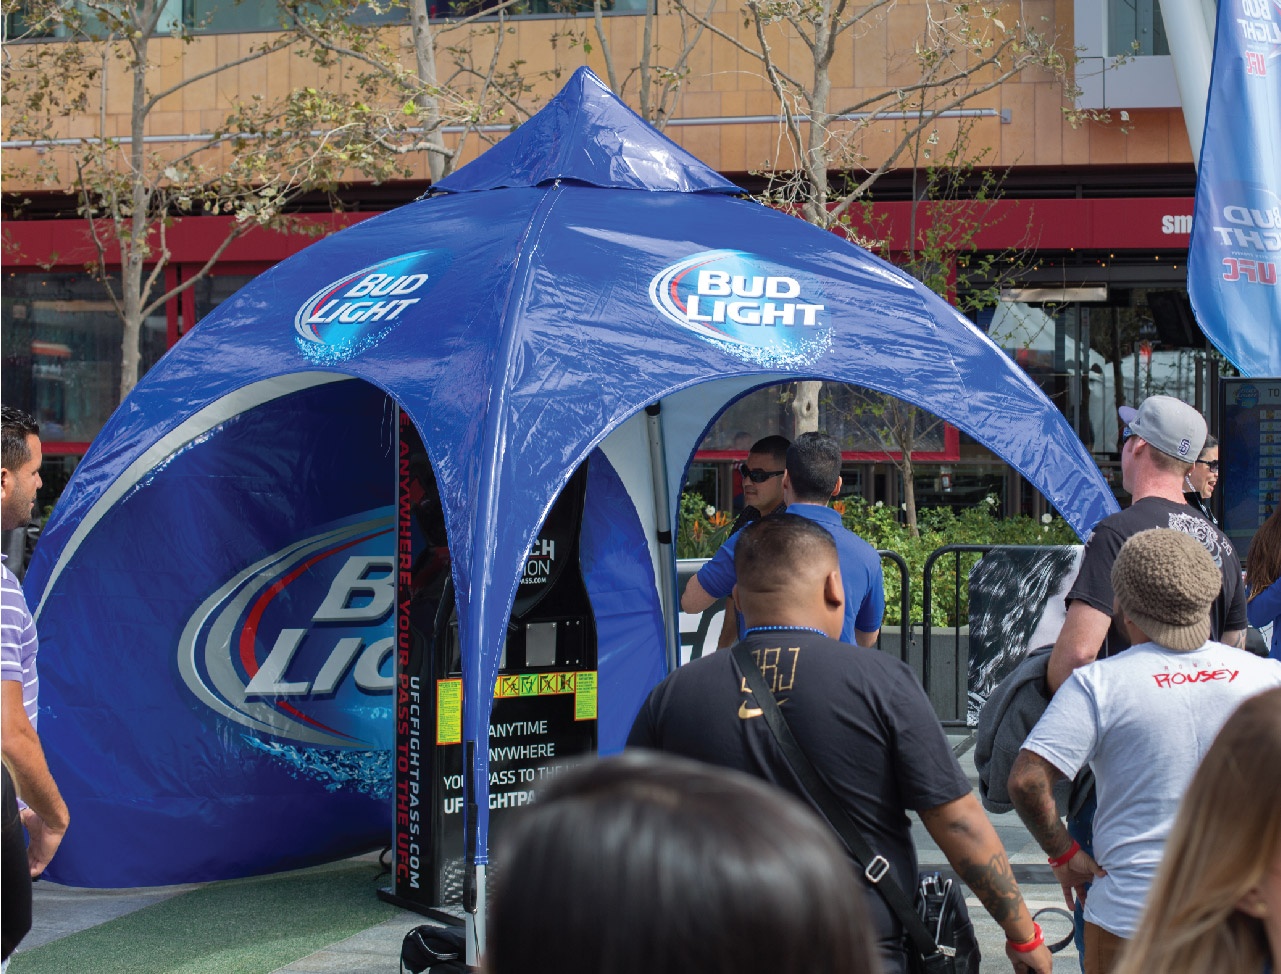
(474, 923)
(663, 518)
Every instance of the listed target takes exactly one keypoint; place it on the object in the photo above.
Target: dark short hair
(814, 466)
(646, 862)
(772, 446)
(1211, 443)
(776, 550)
(15, 427)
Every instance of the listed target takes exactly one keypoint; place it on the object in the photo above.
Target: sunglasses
(757, 476)
(1212, 464)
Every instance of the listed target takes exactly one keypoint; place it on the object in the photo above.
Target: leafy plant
(703, 530)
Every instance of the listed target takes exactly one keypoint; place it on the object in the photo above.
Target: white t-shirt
(1142, 720)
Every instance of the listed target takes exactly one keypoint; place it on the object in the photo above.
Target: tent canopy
(542, 297)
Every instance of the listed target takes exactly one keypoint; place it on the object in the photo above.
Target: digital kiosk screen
(1250, 454)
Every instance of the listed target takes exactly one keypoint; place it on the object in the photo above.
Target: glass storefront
(61, 362)
(61, 338)
(1089, 358)
(862, 421)
(211, 291)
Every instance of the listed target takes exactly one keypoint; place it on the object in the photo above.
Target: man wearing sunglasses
(811, 478)
(761, 481)
(1199, 484)
(762, 474)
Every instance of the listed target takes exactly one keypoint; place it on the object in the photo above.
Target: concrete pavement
(61, 911)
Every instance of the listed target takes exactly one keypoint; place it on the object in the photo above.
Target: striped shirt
(18, 643)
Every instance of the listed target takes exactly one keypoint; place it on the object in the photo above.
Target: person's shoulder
(875, 667)
(1185, 518)
(14, 598)
(832, 653)
(696, 670)
(1143, 512)
(1264, 668)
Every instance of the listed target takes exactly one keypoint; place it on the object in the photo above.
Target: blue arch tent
(585, 288)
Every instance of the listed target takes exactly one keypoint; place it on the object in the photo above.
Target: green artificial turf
(242, 926)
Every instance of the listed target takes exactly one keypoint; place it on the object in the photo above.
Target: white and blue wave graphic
(351, 315)
(749, 307)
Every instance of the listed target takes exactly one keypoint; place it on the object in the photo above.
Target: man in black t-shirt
(860, 716)
(1162, 439)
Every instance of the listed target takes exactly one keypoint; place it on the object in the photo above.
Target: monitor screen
(1250, 454)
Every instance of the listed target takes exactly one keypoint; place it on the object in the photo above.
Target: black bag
(941, 906)
(938, 934)
(433, 948)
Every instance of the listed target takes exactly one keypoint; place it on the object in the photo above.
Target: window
(213, 290)
(232, 16)
(1135, 27)
(1134, 30)
(61, 339)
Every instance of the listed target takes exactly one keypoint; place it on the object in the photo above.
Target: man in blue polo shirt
(811, 479)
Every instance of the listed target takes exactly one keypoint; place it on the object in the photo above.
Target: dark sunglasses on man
(757, 476)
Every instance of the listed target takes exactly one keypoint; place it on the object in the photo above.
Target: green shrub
(703, 529)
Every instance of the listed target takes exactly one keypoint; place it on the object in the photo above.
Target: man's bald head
(788, 574)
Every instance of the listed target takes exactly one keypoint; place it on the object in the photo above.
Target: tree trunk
(805, 408)
(428, 103)
(134, 250)
(909, 492)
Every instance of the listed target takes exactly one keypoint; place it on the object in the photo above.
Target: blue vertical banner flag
(1235, 251)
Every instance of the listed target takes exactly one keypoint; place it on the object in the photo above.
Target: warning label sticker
(449, 711)
(585, 696)
(548, 684)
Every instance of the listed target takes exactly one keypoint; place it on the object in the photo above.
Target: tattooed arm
(1031, 788)
(971, 845)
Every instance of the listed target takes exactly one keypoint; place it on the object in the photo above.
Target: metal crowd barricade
(905, 606)
(940, 659)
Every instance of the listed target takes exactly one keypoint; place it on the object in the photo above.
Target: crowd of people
(705, 847)
(1173, 862)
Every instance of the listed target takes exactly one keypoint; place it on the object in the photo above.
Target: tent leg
(663, 519)
(474, 927)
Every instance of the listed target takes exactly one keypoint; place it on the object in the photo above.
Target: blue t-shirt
(1264, 608)
(860, 572)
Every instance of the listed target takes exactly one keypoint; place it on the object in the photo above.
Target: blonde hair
(1226, 836)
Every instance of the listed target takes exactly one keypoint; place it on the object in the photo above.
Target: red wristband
(1057, 861)
(1027, 946)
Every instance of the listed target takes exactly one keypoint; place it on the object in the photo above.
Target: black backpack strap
(876, 868)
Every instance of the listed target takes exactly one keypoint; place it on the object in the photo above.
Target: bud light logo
(353, 314)
(751, 308)
(299, 646)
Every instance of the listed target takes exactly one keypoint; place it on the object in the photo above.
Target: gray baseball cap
(1169, 424)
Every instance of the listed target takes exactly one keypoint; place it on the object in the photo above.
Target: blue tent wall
(537, 309)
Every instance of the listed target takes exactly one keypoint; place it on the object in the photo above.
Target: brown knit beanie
(1165, 581)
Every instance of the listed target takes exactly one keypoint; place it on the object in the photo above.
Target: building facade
(1093, 215)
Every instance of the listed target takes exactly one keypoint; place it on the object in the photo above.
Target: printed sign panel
(1235, 248)
(217, 661)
